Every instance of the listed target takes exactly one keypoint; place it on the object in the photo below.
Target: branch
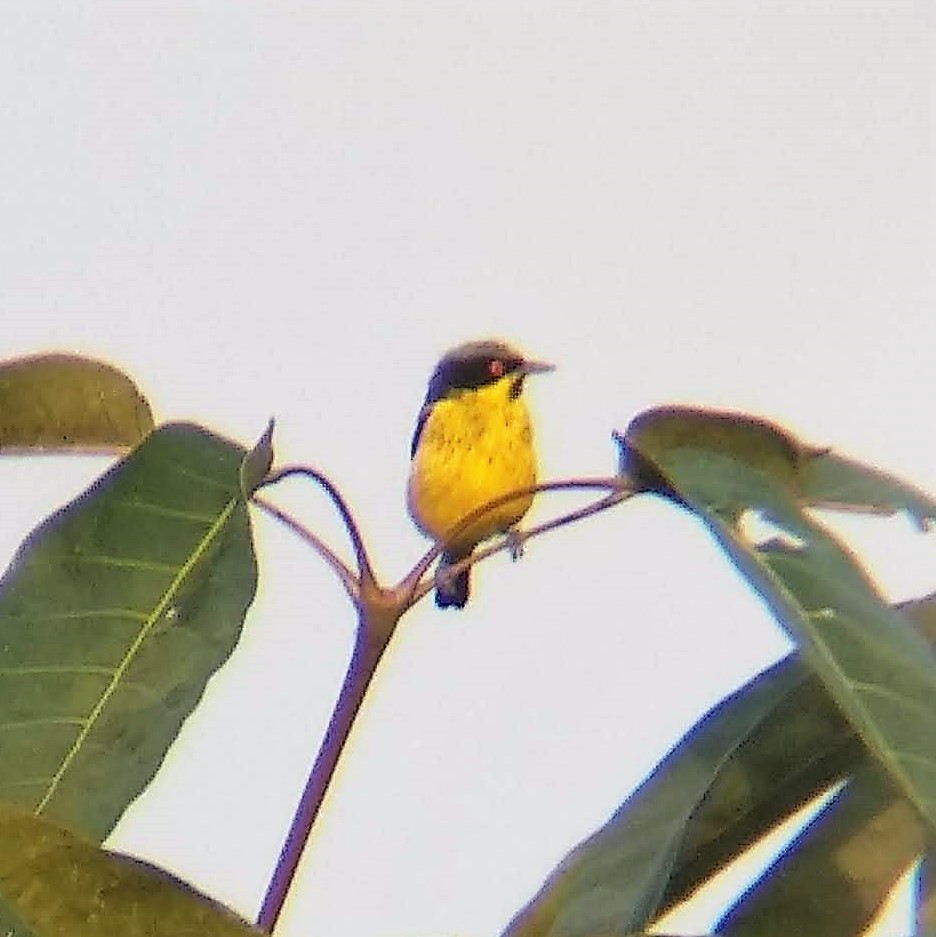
(379, 610)
(360, 552)
(373, 635)
(341, 569)
(619, 489)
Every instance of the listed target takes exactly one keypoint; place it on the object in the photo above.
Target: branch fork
(379, 610)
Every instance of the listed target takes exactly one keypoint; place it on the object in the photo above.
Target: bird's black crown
(472, 365)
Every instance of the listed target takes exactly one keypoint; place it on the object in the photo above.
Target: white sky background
(293, 209)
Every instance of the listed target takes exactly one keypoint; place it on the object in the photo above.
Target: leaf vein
(81, 614)
(160, 510)
(123, 562)
(41, 721)
(148, 625)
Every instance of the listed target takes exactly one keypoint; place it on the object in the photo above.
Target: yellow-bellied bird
(473, 443)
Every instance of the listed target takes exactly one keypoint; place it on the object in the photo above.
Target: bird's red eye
(496, 367)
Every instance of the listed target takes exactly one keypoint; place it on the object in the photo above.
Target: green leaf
(922, 612)
(113, 616)
(816, 476)
(834, 878)
(782, 743)
(657, 433)
(613, 883)
(63, 885)
(257, 462)
(66, 402)
(843, 866)
(11, 924)
(833, 481)
(877, 668)
(801, 748)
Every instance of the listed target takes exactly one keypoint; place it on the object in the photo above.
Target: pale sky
(294, 209)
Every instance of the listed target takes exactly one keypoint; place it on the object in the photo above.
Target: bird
(473, 443)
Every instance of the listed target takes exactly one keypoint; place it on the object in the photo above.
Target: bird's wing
(420, 423)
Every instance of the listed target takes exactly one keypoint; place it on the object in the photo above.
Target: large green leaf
(113, 615)
(841, 868)
(836, 875)
(796, 745)
(614, 882)
(63, 402)
(876, 666)
(657, 433)
(62, 885)
(815, 475)
(801, 748)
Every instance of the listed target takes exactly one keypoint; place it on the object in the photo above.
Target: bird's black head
(470, 366)
(475, 364)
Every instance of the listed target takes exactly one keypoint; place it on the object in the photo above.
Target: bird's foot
(515, 542)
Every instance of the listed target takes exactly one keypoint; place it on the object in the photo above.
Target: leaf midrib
(120, 670)
(893, 757)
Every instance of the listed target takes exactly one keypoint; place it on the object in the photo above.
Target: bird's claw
(515, 543)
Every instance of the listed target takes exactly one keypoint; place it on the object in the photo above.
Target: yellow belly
(472, 449)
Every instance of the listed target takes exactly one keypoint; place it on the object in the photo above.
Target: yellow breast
(474, 447)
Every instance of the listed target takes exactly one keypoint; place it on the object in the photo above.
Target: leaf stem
(341, 569)
(357, 542)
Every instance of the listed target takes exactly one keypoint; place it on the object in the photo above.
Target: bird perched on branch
(473, 443)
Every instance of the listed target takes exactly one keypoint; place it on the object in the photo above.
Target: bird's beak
(537, 367)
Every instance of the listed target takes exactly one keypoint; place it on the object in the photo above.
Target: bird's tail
(453, 592)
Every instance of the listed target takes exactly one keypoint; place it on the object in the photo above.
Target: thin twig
(342, 570)
(520, 537)
(360, 552)
(602, 504)
(619, 486)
